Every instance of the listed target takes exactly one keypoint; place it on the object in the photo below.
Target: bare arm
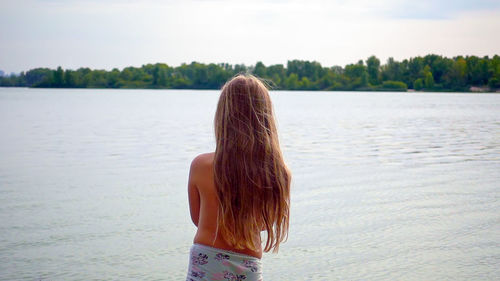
(193, 194)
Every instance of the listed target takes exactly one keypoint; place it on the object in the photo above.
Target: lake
(386, 186)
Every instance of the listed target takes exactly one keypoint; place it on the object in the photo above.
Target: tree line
(428, 73)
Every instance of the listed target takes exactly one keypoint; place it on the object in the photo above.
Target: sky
(104, 34)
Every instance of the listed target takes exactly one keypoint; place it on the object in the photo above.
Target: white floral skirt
(208, 263)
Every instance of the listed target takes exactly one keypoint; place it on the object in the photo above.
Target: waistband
(217, 250)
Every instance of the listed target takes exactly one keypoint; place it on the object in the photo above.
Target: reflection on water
(399, 186)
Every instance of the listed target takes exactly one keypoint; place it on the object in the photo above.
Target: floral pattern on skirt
(208, 263)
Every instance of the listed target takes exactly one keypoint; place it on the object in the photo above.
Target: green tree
(38, 77)
(277, 73)
(305, 84)
(415, 67)
(373, 69)
(431, 72)
(391, 70)
(439, 66)
(69, 80)
(292, 82)
(456, 77)
(394, 86)
(428, 78)
(418, 84)
(113, 78)
(494, 83)
(162, 76)
(356, 75)
(259, 70)
(58, 80)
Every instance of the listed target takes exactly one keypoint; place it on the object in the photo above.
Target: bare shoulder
(202, 165)
(203, 159)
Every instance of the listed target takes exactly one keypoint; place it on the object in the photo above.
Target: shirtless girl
(239, 190)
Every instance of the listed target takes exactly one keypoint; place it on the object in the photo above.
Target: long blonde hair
(252, 180)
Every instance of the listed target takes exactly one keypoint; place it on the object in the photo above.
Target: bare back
(203, 205)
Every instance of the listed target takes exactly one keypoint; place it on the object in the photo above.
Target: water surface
(386, 186)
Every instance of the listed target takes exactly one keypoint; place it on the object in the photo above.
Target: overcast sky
(104, 34)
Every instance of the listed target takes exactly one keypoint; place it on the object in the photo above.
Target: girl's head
(252, 180)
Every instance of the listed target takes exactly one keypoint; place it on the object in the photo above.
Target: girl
(239, 190)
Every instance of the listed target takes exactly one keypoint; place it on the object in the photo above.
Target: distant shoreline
(273, 90)
(431, 73)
